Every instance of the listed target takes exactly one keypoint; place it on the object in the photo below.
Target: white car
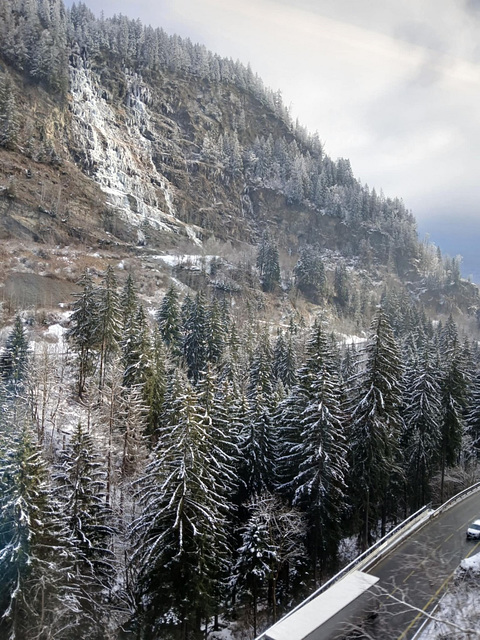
(473, 531)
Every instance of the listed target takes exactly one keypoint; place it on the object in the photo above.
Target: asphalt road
(419, 570)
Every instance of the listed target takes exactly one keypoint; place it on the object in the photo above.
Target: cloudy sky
(392, 85)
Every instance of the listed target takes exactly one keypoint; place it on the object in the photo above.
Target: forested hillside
(226, 364)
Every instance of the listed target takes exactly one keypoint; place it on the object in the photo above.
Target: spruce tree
(268, 264)
(83, 333)
(81, 484)
(320, 484)
(196, 332)
(129, 301)
(40, 595)
(423, 419)
(375, 428)
(155, 385)
(14, 357)
(136, 350)
(169, 322)
(109, 320)
(309, 274)
(180, 535)
(271, 547)
(454, 401)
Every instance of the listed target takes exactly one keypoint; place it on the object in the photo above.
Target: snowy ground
(457, 616)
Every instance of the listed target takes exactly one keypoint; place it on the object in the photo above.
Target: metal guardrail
(381, 546)
(458, 496)
(446, 505)
(401, 528)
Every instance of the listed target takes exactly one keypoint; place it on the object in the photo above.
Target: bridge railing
(385, 544)
(361, 560)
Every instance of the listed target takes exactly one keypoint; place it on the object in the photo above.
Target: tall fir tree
(40, 595)
(109, 319)
(375, 428)
(169, 321)
(181, 534)
(83, 332)
(423, 419)
(196, 333)
(320, 484)
(80, 482)
(14, 357)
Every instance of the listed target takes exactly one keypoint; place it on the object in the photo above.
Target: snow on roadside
(458, 615)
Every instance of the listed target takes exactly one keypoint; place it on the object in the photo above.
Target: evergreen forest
(163, 475)
(227, 367)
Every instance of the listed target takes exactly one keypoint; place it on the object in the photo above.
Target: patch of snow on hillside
(351, 339)
(186, 260)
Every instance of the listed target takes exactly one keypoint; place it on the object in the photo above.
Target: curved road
(419, 569)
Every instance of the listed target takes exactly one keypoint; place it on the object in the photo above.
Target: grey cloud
(473, 6)
(420, 34)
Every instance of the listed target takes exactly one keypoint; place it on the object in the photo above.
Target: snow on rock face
(118, 155)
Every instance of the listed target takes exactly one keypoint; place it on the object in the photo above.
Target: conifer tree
(423, 419)
(454, 401)
(268, 264)
(472, 416)
(80, 480)
(284, 361)
(196, 332)
(39, 594)
(320, 484)
(169, 321)
(375, 427)
(309, 274)
(83, 332)
(271, 546)
(129, 301)
(181, 532)
(217, 330)
(136, 350)
(155, 385)
(109, 321)
(9, 119)
(14, 358)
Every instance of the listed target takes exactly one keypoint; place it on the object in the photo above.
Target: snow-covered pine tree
(136, 350)
(318, 357)
(472, 416)
(320, 484)
(258, 442)
(129, 301)
(9, 116)
(271, 548)
(423, 419)
(181, 533)
(40, 596)
(284, 360)
(81, 485)
(375, 428)
(196, 333)
(14, 357)
(309, 274)
(453, 387)
(155, 385)
(268, 263)
(169, 322)
(83, 332)
(109, 322)
(217, 331)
